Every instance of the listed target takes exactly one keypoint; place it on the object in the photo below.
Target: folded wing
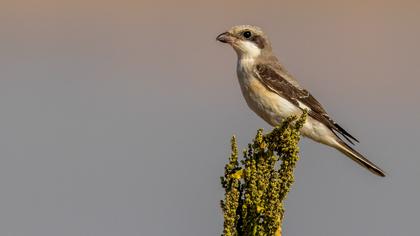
(277, 83)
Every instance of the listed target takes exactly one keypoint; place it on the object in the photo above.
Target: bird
(273, 94)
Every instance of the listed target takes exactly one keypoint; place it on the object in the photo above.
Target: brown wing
(300, 97)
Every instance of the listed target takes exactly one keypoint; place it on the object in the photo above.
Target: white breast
(267, 104)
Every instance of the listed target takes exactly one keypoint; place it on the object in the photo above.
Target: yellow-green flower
(237, 174)
(256, 186)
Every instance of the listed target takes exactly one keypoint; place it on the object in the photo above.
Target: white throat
(248, 51)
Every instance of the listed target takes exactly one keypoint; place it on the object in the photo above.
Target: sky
(116, 115)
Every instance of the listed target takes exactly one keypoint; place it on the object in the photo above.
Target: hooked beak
(225, 37)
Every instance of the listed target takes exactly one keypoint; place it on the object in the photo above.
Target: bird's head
(248, 41)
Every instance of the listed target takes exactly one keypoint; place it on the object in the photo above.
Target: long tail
(359, 158)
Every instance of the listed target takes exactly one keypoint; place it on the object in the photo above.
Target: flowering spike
(255, 188)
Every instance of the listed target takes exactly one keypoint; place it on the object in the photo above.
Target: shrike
(272, 93)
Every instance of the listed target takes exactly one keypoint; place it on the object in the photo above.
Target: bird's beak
(225, 37)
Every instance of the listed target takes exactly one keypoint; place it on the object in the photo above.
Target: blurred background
(116, 115)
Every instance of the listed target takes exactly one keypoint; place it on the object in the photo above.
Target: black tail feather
(345, 134)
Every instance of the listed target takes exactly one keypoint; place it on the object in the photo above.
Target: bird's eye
(247, 34)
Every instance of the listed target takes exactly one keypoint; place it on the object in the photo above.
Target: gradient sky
(116, 115)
